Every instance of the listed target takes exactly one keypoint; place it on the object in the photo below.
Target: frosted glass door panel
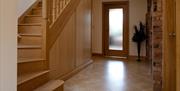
(116, 29)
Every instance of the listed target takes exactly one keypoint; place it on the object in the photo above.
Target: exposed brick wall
(155, 41)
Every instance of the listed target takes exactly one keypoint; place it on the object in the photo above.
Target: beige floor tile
(112, 75)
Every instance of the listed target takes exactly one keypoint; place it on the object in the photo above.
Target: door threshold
(118, 57)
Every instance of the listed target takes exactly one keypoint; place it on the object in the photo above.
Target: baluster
(64, 4)
(51, 12)
(65, 1)
(61, 5)
(68, 1)
(58, 7)
(53, 9)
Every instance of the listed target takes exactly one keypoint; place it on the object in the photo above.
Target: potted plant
(139, 37)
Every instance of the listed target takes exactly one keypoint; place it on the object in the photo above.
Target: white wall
(23, 5)
(8, 45)
(137, 10)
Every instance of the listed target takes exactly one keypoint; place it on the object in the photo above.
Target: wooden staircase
(33, 71)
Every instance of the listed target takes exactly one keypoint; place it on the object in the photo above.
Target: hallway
(107, 74)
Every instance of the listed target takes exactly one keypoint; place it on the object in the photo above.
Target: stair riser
(30, 40)
(24, 68)
(61, 88)
(30, 29)
(33, 20)
(34, 83)
(36, 12)
(40, 5)
(30, 53)
(53, 85)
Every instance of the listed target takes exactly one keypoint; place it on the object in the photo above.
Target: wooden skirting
(178, 45)
(75, 71)
(143, 58)
(130, 57)
(97, 54)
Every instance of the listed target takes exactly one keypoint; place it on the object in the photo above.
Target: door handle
(172, 34)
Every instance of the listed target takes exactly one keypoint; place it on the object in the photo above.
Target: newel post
(44, 8)
(45, 28)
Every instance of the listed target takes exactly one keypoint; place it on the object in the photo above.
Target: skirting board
(97, 54)
(130, 57)
(75, 71)
(143, 58)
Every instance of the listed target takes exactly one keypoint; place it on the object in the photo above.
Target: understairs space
(107, 74)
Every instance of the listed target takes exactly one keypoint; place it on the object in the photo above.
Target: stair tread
(29, 46)
(37, 8)
(33, 15)
(25, 60)
(30, 24)
(29, 76)
(51, 85)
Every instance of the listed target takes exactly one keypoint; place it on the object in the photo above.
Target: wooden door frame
(177, 45)
(115, 3)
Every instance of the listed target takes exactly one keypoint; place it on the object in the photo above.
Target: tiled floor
(112, 75)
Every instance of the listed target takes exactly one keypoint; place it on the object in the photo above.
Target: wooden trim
(117, 3)
(117, 58)
(54, 32)
(125, 4)
(75, 71)
(178, 45)
(97, 54)
(134, 58)
(21, 18)
(91, 26)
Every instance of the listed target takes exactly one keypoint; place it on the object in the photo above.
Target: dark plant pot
(139, 37)
(139, 51)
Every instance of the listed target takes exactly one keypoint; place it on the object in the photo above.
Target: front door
(115, 28)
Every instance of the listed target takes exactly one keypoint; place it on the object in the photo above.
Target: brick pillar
(157, 43)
